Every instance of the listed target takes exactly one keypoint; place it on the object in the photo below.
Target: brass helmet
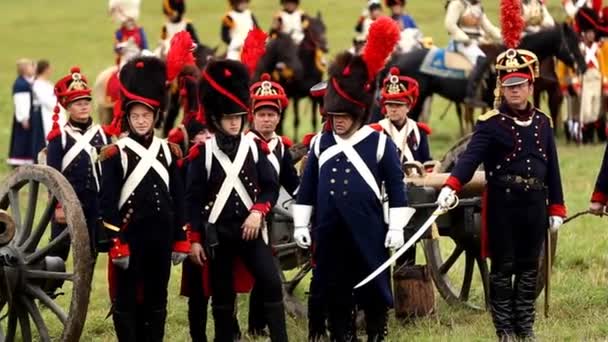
(513, 67)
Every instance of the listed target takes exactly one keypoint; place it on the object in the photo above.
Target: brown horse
(297, 68)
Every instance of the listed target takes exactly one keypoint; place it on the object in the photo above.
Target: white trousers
(471, 52)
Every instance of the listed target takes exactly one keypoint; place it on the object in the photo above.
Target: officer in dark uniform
(142, 206)
(523, 197)
(341, 183)
(73, 151)
(268, 102)
(599, 198)
(231, 187)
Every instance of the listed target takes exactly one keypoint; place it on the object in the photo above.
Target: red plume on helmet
(512, 22)
(253, 49)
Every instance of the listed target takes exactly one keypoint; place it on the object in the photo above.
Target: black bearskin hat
(224, 90)
(143, 80)
(348, 87)
(586, 19)
(285, 1)
(171, 7)
(390, 3)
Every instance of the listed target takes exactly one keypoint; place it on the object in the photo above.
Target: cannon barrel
(417, 175)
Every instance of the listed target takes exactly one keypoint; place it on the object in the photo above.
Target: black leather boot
(124, 326)
(197, 319)
(275, 316)
(317, 318)
(155, 325)
(223, 318)
(501, 302)
(472, 97)
(376, 320)
(256, 320)
(525, 298)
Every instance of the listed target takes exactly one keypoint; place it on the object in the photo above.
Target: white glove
(555, 222)
(446, 198)
(122, 262)
(302, 237)
(178, 258)
(394, 238)
(398, 219)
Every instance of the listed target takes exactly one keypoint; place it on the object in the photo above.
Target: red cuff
(264, 208)
(557, 210)
(181, 246)
(58, 206)
(119, 249)
(599, 197)
(193, 236)
(453, 183)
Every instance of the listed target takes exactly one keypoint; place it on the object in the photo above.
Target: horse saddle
(443, 63)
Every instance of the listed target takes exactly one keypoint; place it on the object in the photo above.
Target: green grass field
(79, 32)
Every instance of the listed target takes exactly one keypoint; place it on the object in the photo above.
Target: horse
(560, 41)
(548, 83)
(297, 68)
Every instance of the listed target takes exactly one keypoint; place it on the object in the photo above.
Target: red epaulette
(263, 146)
(108, 152)
(175, 149)
(424, 127)
(175, 136)
(376, 127)
(286, 141)
(194, 152)
(308, 138)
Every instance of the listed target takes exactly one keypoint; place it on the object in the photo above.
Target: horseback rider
(536, 16)
(129, 34)
(291, 20)
(523, 196)
(341, 184)
(142, 206)
(73, 150)
(594, 82)
(236, 24)
(571, 7)
(467, 24)
(231, 187)
(174, 11)
(268, 102)
(399, 13)
(372, 12)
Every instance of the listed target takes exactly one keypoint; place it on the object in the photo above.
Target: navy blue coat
(506, 148)
(340, 195)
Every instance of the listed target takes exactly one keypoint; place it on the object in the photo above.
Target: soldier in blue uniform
(523, 196)
(599, 198)
(231, 187)
(268, 102)
(341, 183)
(398, 95)
(73, 151)
(142, 206)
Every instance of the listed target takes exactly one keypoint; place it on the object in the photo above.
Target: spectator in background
(44, 95)
(20, 152)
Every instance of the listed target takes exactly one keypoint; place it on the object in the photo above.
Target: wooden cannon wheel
(455, 255)
(30, 275)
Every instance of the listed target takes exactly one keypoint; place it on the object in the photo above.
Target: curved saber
(438, 212)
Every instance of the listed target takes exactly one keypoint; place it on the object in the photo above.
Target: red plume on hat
(351, 76)
(512, 22)
(253, 49)
(384, 34)
(180, 54)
